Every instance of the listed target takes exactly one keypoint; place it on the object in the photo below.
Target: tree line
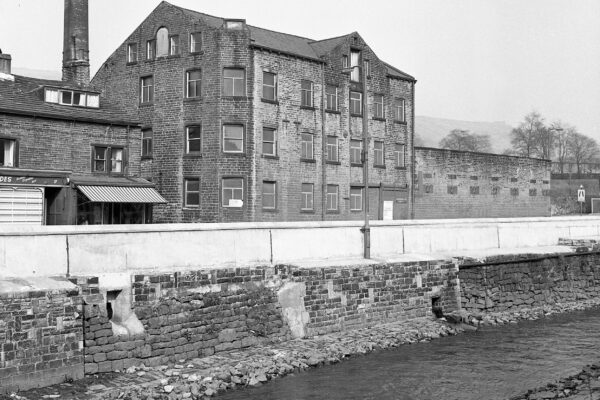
(557, 141)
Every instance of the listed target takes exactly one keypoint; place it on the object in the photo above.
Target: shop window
(147, 137)
(94, 213)
(232, 192)
(307, 143)
(8, 153)
(269, 86)
(108, 159)
(332, 149)
(132, 55)
(269, 147)
(356, 152)
(191, 192)
(233, 138)
(306, 93)
(162, 42)
(331, 93)
(234, 82)
(307, 197)
(193, 83)
(193, 139)
(356, 103)
(269, 195)
(332, 197)
(195, 42)
(356, 197)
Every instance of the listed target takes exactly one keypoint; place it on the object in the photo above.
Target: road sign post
(581, 198)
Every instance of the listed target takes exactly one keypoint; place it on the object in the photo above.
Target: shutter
(22, 206)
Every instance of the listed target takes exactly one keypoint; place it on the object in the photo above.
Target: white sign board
(388, 210)
(235, 203)
(581, 195)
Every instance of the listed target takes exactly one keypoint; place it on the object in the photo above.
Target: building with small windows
(240, 123)
(65, 152)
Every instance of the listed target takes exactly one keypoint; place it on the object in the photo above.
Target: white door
(22, 206)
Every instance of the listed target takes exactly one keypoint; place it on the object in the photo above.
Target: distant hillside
(431, 130)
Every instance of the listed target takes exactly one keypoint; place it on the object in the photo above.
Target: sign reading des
(31, 180)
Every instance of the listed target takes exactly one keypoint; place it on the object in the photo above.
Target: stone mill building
(240, 123)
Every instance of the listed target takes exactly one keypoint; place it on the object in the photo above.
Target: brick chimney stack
(5, 60)
(76, 59)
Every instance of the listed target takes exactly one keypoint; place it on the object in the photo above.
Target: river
(491, 363)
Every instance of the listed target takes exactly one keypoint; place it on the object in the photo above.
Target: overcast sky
(475, 60)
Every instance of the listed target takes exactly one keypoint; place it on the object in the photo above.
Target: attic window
(235, 24)
(71, 98)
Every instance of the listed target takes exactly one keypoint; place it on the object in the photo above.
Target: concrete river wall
(117, 300)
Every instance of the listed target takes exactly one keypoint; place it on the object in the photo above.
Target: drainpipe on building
(412, 156)
(323, 148)
(366, 229)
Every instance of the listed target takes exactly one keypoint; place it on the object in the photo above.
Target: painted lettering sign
(31, 180)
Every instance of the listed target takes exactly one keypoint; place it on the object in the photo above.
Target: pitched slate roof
(396, 73)
(326, 45)
(24, 96)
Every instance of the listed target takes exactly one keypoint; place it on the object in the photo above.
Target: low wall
(504, 285)
(41, 338)
(197, 313)
(89, 250)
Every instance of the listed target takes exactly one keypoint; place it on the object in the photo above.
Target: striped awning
(121, 194)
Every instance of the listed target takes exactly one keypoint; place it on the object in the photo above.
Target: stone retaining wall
(41, 340)
(510, 284)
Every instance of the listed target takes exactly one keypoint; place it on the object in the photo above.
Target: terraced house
(241, 123)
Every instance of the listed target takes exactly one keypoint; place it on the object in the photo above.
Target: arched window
(162, 42)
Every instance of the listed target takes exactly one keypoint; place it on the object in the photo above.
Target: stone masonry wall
(40, 337)
(462, 184)
(509, 285)
(197, 313)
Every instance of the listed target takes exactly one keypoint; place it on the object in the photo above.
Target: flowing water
(491, 363)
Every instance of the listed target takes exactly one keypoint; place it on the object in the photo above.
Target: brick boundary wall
(198, 313)
(41, 339)
(510, 284)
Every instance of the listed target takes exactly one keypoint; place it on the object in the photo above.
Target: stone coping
(35, 284)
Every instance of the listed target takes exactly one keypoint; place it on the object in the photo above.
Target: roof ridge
(332, 38)
(194, 11)
(283, 33)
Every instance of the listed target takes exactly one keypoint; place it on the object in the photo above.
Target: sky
(474, 60)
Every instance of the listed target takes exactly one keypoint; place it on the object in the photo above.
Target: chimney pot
(5, 61)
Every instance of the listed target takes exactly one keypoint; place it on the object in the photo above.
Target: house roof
(289, 44)
(24, 96)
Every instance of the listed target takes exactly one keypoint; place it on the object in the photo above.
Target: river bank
(206, 377)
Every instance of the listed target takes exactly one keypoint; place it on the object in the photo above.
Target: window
(355, 151)
(132, 52)
(162, 42)
(193, 139)
(174, 45)
(356, 103)
(151, 49)
(147, 137)
(495, 190)
(356, 197)
(233, 82)
(8, 153)
(233, 138)
(332, 197)
(191, 192)
(232, 194)
(355, 65)
(269, 142)
(474, 190)
(428, 188)
(306, 151)
(533, 192)
(344, 61)
(236, 24)
(400, 156)
(332, 97)
(71, 98)
(399, 110)
(193, 83)
(307, 197)
(378, 106)
(269, 195)
(306, 93)
(367, 67)
(147, 89)
(332, 149)
(452, 189)
(378, 153)
(101, 155)
(514, 191)
(269, 86)
(195, 42)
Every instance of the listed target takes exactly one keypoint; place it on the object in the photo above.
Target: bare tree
(459, 139)
(582, 149)
(561, 143)
(531, 138)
